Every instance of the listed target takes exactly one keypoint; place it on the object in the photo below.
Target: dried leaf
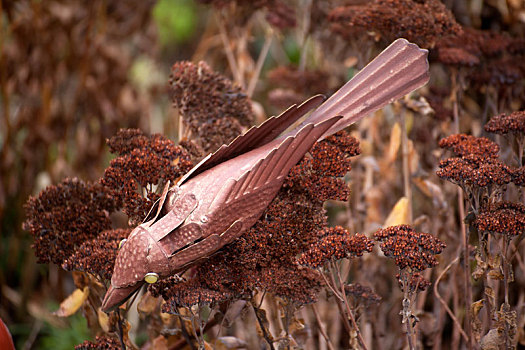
(492, 340)
(395, 143)
(103, 320)
(147, 303)
(224, 343)
(72, 303)
(398, 215)
(495, 275)
(477, 326)
(413, 157)
(431, 190)
(160, 343)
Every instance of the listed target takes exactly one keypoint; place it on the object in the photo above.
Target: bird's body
(226, 193)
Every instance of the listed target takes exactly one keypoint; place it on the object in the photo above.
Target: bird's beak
(118, 296)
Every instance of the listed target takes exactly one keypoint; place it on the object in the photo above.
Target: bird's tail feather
(399, 69)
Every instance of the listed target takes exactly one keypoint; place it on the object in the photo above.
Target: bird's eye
(151, 277)
(121, 243)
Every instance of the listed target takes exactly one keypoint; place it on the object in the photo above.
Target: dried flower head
(468, 145)
(504, 218)
(319, 173)
(504, 124)
(265, 257)
(518, 176)
(415, 282)
(292, 85)
(362, 295)
(421, 21)
(144, 165)
(408, 248)
(278, 13)
(64, 216)
(336, 243)
(213, 109)
(457, 56)
(471, 171)
(307, 82)
(100, 343)
(97, 256)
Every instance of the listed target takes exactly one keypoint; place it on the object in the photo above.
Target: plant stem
(265, 332)
(348, 309)
(464, 236)
(406, 164)
(321, 328)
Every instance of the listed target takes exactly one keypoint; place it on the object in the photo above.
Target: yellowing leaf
(103, 320)
(398, 215)
(395, 143)
(72, 303)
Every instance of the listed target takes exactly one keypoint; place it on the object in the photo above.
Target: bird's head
(138, 262)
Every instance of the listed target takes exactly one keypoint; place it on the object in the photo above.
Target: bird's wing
(240, 202)
(255, 137)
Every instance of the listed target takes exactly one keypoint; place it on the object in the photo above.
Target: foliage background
(72, 73)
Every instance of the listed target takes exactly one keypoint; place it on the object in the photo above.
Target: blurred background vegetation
(72, 73)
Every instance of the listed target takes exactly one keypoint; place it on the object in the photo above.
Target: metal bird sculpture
(226, 193)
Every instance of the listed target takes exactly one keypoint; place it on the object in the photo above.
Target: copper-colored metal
(225, 194)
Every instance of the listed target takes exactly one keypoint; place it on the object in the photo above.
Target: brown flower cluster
(469, 171)
(320, 173)
(100, 343)
(64, 216)
(408, 248)
(70, 222)
(496, 59)
(336, 243)
(421, 21)
(292, 85)
(504, 218)
(415, 282)
(265, 257)
(477, 164)
(144, 164)
(504, 124)
(278, 13)
(362, 295)
(213, 109)
(518, 176)
(468, 145)
(97, 256)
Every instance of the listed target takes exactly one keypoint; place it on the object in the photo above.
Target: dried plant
(412, 252)
(422, 22)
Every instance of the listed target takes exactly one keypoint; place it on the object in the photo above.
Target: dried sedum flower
(503, 124)
(144, 165)
(278, 13)
(337, 243)
(457, 56)
(504, 218)
(100, 343)
(408, 248)
(421, 21)
(213, 109)
(64, 216)
(415, 282)
(518, 176)
(362, 295)
(97, 256)
(463, 145)
(471, 171)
